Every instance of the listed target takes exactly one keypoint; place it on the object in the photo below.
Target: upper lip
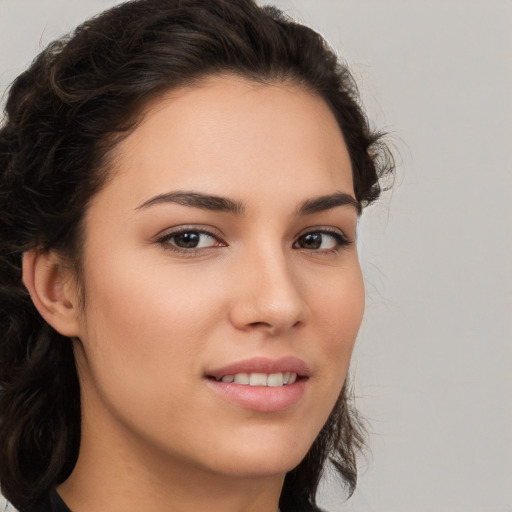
(262, 365)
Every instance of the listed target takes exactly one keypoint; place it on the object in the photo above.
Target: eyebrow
(322, 203)
(197, 200)
(223, 204)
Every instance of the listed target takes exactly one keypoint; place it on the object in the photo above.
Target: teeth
(275, 379)
(257, 379)
(261, 379)
(242, 378)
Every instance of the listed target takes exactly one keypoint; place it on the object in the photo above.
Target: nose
(268, 295)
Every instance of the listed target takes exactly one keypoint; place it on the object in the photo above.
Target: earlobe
(52, 293)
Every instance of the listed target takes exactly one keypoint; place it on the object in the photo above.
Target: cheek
(154, 320)
(144, 332)
(336, 311)
(339, 305)
(339, 308)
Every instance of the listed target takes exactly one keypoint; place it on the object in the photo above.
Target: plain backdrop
(432, 368)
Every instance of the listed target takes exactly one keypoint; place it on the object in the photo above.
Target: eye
(189, 239)
(321, 240)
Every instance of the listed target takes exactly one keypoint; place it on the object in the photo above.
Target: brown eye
(310, 241)
(320, 240)
(190, 239)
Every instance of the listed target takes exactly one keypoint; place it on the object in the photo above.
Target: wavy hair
(63, 117)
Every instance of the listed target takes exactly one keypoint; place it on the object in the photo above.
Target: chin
(259, 467)
(262, 456)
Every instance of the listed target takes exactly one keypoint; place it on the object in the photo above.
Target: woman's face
(223, 246)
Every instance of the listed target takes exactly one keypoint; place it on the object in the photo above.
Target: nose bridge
(269, 295)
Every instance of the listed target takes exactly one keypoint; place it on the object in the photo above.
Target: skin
(157, 317)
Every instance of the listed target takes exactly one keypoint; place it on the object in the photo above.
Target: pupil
(312, 240)
(187, 240)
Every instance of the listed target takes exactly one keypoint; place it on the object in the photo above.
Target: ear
(52, 290)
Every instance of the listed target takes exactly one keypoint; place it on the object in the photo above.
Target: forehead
(231, 136)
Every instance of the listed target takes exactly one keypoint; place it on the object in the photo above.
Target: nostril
(260, 324)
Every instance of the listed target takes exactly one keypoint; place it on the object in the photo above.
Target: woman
(180, 287)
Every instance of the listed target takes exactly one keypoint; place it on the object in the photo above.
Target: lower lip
(260, 398)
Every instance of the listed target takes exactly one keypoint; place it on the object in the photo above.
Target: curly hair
(63, 117)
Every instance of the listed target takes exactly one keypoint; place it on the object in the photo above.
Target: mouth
(261, 384)
(261, 379)
(262, 371)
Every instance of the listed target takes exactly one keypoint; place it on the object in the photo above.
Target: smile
(260, 379)
(261, 384)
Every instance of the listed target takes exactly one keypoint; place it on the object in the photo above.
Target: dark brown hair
(79, 97)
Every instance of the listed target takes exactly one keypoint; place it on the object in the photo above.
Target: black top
(52, 502)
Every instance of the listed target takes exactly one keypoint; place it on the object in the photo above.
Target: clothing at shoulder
(52, 502)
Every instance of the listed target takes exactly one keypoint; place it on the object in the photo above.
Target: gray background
(432, 364)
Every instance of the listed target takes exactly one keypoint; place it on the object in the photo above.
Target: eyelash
(166, 240)
(341, 240)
